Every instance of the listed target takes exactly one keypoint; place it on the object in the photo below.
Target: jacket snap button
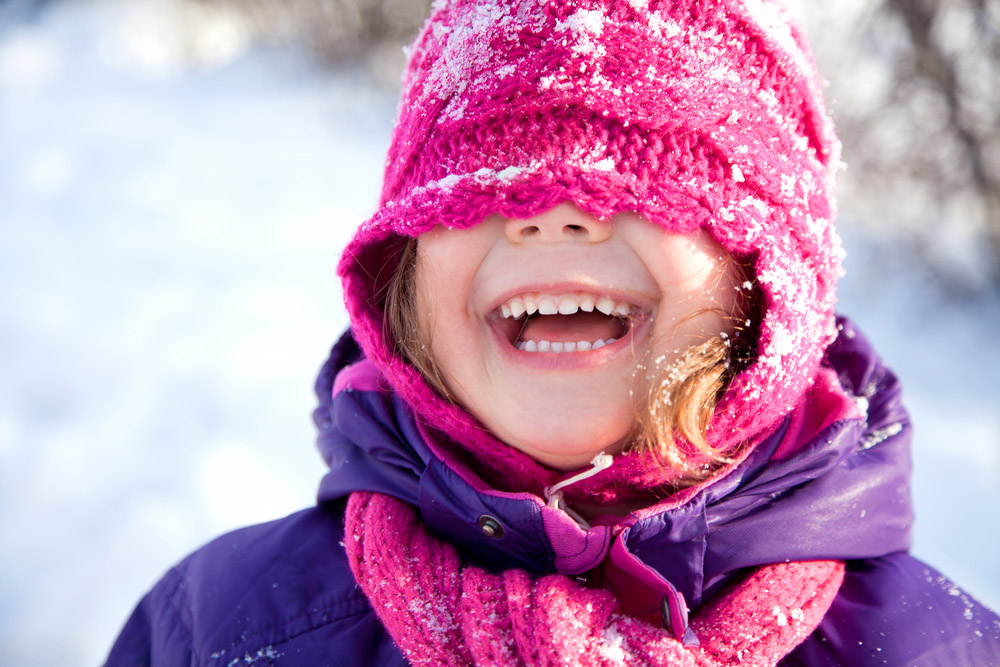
(491, 527)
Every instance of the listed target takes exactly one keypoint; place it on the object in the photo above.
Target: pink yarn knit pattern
(440, 612)
(693, 113)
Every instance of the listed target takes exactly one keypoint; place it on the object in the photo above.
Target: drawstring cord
(554, 494)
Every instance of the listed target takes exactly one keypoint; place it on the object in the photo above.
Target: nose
(563, 223)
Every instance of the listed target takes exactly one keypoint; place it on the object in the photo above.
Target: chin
(557, 454)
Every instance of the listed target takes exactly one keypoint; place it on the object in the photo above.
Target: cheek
(700, 273)
(444, 323)
(699, 298)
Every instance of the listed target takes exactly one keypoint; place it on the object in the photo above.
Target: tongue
(590, 327)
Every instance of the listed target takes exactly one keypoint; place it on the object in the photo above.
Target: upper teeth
(563, 304)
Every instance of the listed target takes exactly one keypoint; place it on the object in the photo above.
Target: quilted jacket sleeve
(897, 610)
(155, 633)
(278, 594)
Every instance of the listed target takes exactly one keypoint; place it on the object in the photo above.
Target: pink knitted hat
(693, 113)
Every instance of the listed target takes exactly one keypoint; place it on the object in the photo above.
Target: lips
(564, 322)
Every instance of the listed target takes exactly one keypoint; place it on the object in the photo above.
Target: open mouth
(573, 322)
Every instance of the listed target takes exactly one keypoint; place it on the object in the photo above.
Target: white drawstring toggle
(554, 495)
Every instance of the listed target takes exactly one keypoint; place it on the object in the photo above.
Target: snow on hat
(693, 113)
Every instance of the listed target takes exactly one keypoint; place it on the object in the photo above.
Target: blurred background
(177, 178)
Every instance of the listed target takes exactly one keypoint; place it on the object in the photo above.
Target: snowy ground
(169, 226)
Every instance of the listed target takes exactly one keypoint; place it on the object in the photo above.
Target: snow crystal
(880, 435)
(770, 101)
(787, 185)
(483, 175)
(664, 28)
(585, 20)
(266, 653)
(509, 174)
(782, 342)
(456, 108)
(437, 620)
(447, 182)
(611, 646)
(862, 404)
(439, 30)
(586, 25)
(758, 205)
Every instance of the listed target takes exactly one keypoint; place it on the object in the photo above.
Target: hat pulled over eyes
(692, 113)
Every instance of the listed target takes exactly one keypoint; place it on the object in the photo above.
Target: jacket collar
(814, 488)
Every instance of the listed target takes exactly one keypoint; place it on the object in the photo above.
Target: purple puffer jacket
(281, 593)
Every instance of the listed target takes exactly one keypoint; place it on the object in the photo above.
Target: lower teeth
(560, 346)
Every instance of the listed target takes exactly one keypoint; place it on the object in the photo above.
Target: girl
(594, 407)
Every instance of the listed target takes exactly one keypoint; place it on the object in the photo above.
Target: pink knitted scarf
(441, 612)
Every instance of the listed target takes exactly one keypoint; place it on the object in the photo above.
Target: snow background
(171, 213)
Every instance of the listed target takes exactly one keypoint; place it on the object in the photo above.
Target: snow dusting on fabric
(510, 108)
(442, 612)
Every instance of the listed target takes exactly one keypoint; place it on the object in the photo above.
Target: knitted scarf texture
(441, 612)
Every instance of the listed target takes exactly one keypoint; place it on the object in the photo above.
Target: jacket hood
(831, 482)
(692, 114)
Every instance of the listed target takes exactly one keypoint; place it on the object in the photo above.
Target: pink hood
(694, 114)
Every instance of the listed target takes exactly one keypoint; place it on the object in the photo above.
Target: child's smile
(541, 327)
(571, 322)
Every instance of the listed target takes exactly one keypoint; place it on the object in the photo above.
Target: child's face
(563, 408)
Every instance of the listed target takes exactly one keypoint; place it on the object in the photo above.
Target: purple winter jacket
(281, 593)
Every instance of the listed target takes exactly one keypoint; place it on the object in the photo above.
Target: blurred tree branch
(916, 91)
(942, 70)
(366, 32)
